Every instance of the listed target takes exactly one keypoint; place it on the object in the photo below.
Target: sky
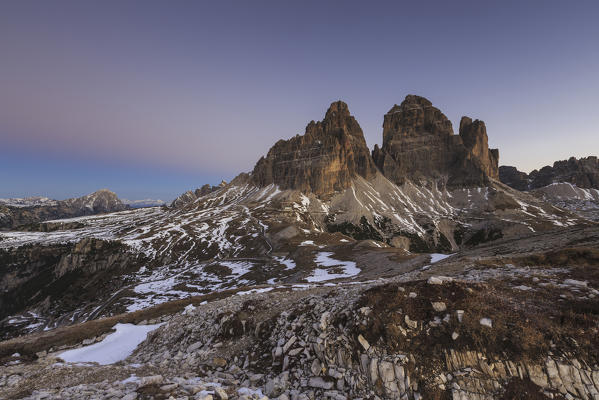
(152, 98)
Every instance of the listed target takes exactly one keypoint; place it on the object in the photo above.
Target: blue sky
(150, 98)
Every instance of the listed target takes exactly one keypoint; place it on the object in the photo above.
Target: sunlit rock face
(325, 159)
(419, 146)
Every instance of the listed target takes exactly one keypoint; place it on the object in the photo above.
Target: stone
(315, 367)
(289, 343)
(365, 310)
(439, 306)
(386, 371)
(151, 380)
(410, 323)
(294, 352)
(438, 280)
(220, 393)
(169, 387)
(320, 383)
(324, 320)
(373, 370)
(193, 347)
(486, 322)
(363, 342)
(219, 362)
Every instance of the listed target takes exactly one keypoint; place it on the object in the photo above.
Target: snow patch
(114, 348)
(324, 259)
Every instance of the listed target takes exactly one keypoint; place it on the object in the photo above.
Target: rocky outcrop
(189, 196)
(583, 172)
(55, 278)
(474, 136)
(419, 145)
(512, 177)
(324, 160)
(16, 214)
(183, 199)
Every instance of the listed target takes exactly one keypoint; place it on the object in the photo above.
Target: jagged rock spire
(323, 160)
(419, 145)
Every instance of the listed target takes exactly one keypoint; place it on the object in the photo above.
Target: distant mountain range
(20, 212)
(143, 203)
(583, 172)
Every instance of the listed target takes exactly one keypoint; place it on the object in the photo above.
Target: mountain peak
(416, 116)
(413, 99)
(419, 145)
(323, 160)
(337, 109)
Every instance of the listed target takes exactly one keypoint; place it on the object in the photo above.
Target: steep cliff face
(474, 136)
(513, 178)
(419, 145)
(324, 160)
(55, 278)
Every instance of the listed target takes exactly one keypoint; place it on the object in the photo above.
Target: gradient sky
(151, 98)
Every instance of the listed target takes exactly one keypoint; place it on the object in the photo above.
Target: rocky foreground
(513, 319)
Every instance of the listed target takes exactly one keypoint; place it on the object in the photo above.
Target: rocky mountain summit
(325, 159)
(571, 184)
(17, 213)
(419, 146)
(583, 172)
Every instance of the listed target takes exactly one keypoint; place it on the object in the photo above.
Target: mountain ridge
(582, 172)
(20, 212)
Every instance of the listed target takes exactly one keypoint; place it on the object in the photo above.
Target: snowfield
(114, 348)
(323, 259)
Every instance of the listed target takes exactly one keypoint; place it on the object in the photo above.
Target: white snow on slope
(29, 202)
(115, 347)
(287, 262)
(436, 257)
(324, 259)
